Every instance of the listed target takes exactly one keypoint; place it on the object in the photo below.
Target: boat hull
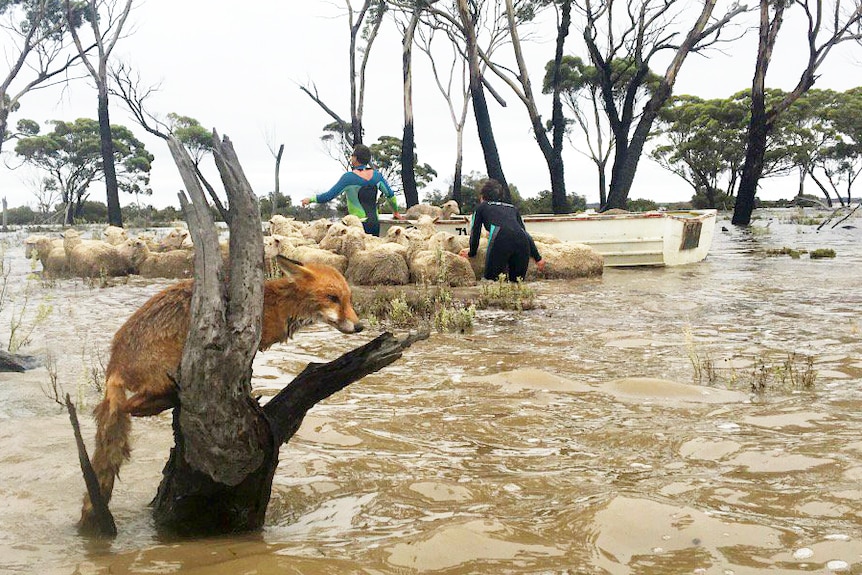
(661, 238)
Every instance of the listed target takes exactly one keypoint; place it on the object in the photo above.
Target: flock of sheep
(412, 253)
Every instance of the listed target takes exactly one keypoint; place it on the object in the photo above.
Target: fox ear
(291, 268)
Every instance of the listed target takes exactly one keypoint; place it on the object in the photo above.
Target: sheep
(176, 239)
(352, 221)
(443, 212)
(136, 250)
(379, 266)
(316, 229)
(307, 254)
(344, 240)
(92, 258)
(174, 264)
(441, 267)
(114, 235)
(448, 242)
(282, 226)
(567, 260)
(39, 246)
(411, 238)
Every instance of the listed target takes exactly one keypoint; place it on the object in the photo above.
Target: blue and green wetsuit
(361, 186)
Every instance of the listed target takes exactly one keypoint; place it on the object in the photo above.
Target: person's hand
(540, 265)
(397, 216)
(306, 201)
(464, 253)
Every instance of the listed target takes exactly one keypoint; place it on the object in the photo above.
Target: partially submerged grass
(438, 306)
(793, 372)
(818, 253)
(424, 304)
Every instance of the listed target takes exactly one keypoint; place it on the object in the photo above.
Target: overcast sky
(236, 67)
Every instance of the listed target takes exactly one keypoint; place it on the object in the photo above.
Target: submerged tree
(364, 24)
(71, 155)
(635, 32)
(519, 81)
(107, 23)
(581, 91)
(38, 56)
(826, 28)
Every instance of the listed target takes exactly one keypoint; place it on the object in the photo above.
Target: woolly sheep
(316, 229)
(447, 242)
(92, 258)
(282, 226)
(344, 240)
(380, 266)
(352, 221)
(114, 235)
(567, 260)
(174, 264)
(443, 212)
(308, 254)
(176, 239)
(441, 267)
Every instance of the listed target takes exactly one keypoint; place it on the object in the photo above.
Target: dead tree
(219, 475)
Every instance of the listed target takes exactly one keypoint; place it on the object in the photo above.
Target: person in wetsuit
(361, 185)
(510, 247)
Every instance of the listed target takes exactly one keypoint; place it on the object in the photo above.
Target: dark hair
(362, 153)
(491, 190)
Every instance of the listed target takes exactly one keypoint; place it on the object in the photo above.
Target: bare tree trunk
(219, 476)
(278, 168)
(480, 105)
(408, 174)
(115, 216)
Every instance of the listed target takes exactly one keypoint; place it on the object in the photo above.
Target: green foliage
(70, 155)
(641, 205)
(504, 294)
(822, 253)
(197, 139)
(432, 305)
(386, 154)
(542, 204)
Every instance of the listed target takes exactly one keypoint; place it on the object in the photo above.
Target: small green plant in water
(822, 253)
(504, 294)
(785, 251)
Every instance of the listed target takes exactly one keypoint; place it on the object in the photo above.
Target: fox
(146, 352)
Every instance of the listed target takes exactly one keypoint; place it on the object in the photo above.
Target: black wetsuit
(509, 245)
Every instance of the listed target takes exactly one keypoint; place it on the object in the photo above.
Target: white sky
(237, 67)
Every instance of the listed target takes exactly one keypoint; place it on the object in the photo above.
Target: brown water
(610, 431)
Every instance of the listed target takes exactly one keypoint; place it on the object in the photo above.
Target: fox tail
(113, 425)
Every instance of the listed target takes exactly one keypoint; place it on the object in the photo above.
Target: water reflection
(575, 438)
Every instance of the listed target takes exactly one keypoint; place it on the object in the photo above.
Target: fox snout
(350, 327)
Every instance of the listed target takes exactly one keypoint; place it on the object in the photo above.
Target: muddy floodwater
(612, 430)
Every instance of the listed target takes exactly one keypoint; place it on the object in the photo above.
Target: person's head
(361, 155)
(491, 191)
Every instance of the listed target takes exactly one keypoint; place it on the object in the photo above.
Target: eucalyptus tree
(364, 24)
(580, 90)
(413, 11)
(806, 131)
(37, 52)
(71, 156)
(826, 27)
(517, 15)
(702, 143)
(452, 80)
(840, 164)
(469, 23)
(388, 154)
(636, 32)
(107, 19)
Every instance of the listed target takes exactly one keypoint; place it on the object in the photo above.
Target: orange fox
(147, 350)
